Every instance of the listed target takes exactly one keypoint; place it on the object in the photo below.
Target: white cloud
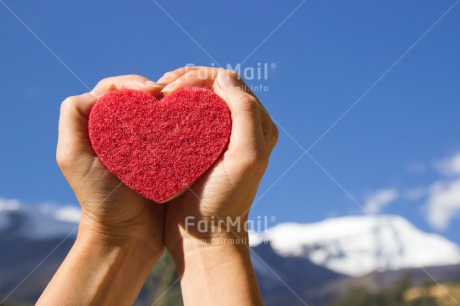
(380, 199)
(443, 203)
(44, 220)
(449, 166)
(68, 214)
(415, 193)
(443, 200)
(8, 205)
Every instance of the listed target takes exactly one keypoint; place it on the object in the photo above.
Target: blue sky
(327, 55)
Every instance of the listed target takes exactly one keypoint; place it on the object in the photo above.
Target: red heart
(159, 147)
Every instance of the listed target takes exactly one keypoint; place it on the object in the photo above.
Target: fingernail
(97, 91)
(150, 83)
(168, 88)
(101, 90)
(168, 76)
(226, 81)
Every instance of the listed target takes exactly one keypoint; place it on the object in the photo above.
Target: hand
(229, 187)
(225, 193)
(120, 236)
(111, 212)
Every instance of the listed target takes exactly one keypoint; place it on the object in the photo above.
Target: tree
(393, 296)
(162, 287)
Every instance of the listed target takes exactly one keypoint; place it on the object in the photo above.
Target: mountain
(37, 222)
(377, 281)
(298, 281)
(295, 263)
(26, 266)
(358, 245)
(290, 280)
(34, 240)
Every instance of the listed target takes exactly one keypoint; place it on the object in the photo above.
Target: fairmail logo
(259, 72)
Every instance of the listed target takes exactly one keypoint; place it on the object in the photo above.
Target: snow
(7, 206)
(42, 221)
(361, 244)
(44, 225)
(353, 245)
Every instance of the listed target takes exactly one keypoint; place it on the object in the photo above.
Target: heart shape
(159, 147)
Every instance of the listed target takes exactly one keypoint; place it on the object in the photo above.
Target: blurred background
(361, 201)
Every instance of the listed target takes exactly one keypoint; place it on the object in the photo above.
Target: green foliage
(360, 296)
(393, 296)
(162, 287)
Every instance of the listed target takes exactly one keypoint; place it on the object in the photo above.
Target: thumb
(73, 142)
(247, 133)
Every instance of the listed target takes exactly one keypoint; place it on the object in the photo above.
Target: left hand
(111, 212)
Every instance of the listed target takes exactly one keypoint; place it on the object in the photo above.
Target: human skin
(213, 265)
(122, 234)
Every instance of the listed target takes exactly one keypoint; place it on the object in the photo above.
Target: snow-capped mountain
(361, 244)
(313, 260)
(352, 246)
(37, 222)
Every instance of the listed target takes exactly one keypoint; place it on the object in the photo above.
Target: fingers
(247, 132)
(127, 81)
(270, 130)
(171, 76)
(252, 126)
(206, 77)
(73, 140)
(247, 135)
(195, 78)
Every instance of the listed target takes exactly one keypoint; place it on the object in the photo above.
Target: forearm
(218, 273)
(97, 272)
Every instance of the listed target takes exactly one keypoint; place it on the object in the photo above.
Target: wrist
(133, 249)
(98, 271)
(129, 242)
(221, 262)
(231, 239)
(192, 232)
(192, 245)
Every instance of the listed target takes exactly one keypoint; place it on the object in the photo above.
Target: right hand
(229, 187)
